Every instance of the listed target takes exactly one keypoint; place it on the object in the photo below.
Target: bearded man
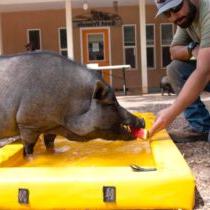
(189, 71)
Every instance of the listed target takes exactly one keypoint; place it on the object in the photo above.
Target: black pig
(165, 86)
(43, 92)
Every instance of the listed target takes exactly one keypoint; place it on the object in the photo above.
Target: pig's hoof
(29, 157)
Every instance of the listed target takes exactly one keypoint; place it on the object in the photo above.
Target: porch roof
(24, 5)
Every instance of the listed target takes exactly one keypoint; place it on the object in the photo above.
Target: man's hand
(164, 118)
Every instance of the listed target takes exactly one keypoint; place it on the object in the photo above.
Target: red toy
(139, 133)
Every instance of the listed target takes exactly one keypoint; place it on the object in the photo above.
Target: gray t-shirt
(199, 31)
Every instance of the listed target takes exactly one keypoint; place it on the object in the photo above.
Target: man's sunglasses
(175, 9)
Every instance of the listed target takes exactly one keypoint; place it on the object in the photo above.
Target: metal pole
(69, 29)
(124, 82)
(142, 21)
(1, 37)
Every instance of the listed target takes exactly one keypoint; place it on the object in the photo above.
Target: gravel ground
(196, 154)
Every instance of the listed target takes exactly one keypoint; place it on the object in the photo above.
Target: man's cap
(164, 5)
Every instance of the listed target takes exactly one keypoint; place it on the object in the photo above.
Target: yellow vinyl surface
(76, 174)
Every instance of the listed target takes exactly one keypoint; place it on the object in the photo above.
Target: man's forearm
(195, 83)
(179, 53)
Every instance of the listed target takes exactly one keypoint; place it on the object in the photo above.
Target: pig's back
(45, 72)
(42, 82)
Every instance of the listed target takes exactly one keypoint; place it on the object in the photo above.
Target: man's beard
(190, 16)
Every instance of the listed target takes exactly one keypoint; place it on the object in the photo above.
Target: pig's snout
(135, 122)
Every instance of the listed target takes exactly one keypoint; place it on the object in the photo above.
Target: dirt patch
(197, 155)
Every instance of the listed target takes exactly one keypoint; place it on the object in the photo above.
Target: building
(107, 32)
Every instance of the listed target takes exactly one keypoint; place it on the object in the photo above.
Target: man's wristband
(190, 47)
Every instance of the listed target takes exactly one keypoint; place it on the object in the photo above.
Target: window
(166, 38)
(150, 39)
(62, 41)
(129, 45)
(33, 39)
(95, 47)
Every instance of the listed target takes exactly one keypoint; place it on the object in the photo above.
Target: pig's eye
(108, 102)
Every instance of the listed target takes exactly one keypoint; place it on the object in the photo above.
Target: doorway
(96, 48)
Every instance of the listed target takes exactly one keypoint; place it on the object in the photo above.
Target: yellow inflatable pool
(97, 175)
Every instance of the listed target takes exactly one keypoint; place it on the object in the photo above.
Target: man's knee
(178, 72)
(174, 69)
(175, 72)
(180, 69)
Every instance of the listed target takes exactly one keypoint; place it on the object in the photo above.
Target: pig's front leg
(29, 138)
(28, 150)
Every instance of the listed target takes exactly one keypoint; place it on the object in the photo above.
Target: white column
(69, 29)
(142, 22)
(1, 42)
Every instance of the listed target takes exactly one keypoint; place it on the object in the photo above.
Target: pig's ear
(101, 90)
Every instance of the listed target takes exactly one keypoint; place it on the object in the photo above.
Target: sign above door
(97, 19)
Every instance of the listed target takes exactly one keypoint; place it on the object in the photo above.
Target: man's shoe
(187, 134)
